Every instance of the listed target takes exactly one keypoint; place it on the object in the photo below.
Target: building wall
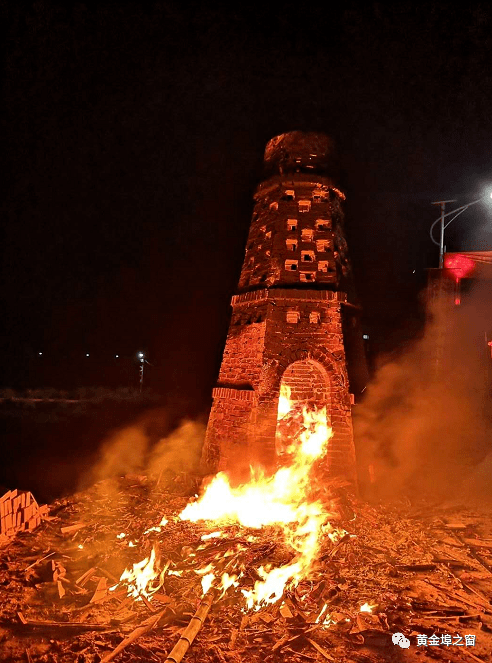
(295, 218)
(297, 326)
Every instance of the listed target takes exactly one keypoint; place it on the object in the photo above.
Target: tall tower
(291, 320)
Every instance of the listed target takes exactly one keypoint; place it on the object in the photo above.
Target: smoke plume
(425, 426)
(139, 449)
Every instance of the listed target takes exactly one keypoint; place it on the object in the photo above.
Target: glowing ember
(205, 570)
(367, 607)
(121, 536)
(207, 581)
(324, 618)
(212, 535)
(159, 527)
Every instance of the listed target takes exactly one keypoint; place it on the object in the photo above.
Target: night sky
(133, 137)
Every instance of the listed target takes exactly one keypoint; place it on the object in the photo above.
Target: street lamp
(141, 359)
(444, 215)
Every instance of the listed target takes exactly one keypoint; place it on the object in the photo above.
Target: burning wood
(291, 574)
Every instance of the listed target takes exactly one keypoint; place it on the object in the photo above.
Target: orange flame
(367, 607)
(141, 578)
(281, 500)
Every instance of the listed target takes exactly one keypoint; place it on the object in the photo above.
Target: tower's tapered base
(280, 337)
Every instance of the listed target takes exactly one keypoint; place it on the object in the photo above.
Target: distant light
(87, 355)
(117, 356)
(40, 354)
(413, 272)
(365, 337)
(141, 356)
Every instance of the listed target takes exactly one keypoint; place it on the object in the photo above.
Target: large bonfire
(269, 560)
(284, 501)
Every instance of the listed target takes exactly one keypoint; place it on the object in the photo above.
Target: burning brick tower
(291, 322)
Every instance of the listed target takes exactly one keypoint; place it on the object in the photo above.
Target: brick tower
(291, 321)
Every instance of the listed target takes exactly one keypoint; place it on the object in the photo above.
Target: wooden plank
(476, 543)
(72, 528)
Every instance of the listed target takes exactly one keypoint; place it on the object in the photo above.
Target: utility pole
(440, 300)
(142, 361)
(442, 204)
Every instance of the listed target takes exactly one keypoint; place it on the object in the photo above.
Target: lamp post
(142, 361)
(141, 358)
(435, 295)
(444, 215)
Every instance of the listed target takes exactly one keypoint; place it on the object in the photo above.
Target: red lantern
(458, 265)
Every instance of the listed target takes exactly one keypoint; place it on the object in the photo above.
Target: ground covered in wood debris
(423, 570)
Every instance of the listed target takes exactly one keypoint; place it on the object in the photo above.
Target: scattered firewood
(61, 589)
(320, 649)
(483, 599)
(101, 590)
(41, 559)
(455, 596)
(285, 611)
(456, 526)
(416, 567)
(85, 577)
(476, 543)
(233, 638)
(108, 574)
(473, 656)
(68, 529)
(147, 625)
(189, 634)
(38, 624)
(474, 554)
(422, 582)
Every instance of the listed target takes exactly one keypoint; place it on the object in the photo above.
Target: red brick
(262, 349)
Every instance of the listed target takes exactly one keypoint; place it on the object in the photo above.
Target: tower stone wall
(290, 316)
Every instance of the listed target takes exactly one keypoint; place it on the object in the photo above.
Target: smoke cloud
(425, 426)
(139, 449)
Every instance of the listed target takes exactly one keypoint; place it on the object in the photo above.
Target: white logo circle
(400, 640)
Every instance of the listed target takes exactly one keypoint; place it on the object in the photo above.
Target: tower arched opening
(304, 385)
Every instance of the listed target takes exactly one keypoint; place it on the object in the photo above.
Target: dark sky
(133, 136)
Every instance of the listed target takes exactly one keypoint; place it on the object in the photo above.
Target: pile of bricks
(19, 511)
